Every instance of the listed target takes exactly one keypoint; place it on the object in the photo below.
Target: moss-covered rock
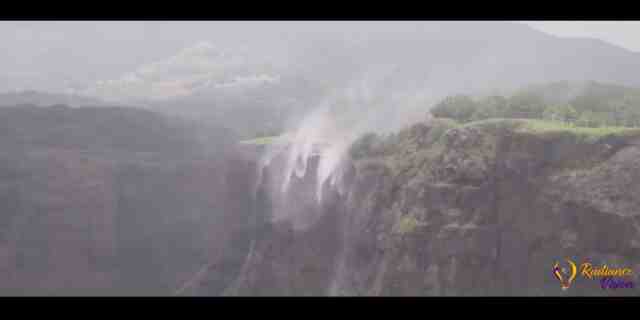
(484, 208)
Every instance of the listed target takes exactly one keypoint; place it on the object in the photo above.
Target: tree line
(588, 105)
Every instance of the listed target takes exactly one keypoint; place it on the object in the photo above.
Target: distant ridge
(41, 99)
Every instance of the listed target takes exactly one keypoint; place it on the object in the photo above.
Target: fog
(144, 141)
(63, 56)
(363, 76)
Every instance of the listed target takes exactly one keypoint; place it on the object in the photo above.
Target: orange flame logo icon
(565, 276)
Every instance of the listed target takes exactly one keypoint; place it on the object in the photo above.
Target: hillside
(317, 158)
(484, 208)
(438, 208)
(104, 130)
(37, 98)
(589, 104)
(422, 62)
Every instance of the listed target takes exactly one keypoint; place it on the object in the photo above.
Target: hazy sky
(55, 56)
(622, 33)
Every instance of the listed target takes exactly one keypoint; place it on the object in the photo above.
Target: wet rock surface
(449, 210)
(488, 212)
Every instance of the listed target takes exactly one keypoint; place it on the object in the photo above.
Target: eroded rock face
(473, 210)
(487, 211)
(81, 224)
(118, 201)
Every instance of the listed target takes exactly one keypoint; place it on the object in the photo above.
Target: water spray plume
(326, 134)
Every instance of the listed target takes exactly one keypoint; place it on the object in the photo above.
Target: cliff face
(115, 202)
(437, 209)
(481, 209)
(80, 225)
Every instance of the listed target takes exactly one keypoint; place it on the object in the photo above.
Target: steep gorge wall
(483, 209)
(81, 224)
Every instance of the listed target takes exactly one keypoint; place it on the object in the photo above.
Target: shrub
(459, 107)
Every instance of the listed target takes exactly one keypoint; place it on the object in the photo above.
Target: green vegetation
(591, 105)
(415, 137)
(554, 128)
(266, 140)
(587, 134)
(563, 113)
(370, 145)
(261, 140)
(496, 124)
(407, 224)
(459, 107)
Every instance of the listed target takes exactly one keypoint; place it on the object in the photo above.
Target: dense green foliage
(459, 107)
(402, 143)
(587, 105)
